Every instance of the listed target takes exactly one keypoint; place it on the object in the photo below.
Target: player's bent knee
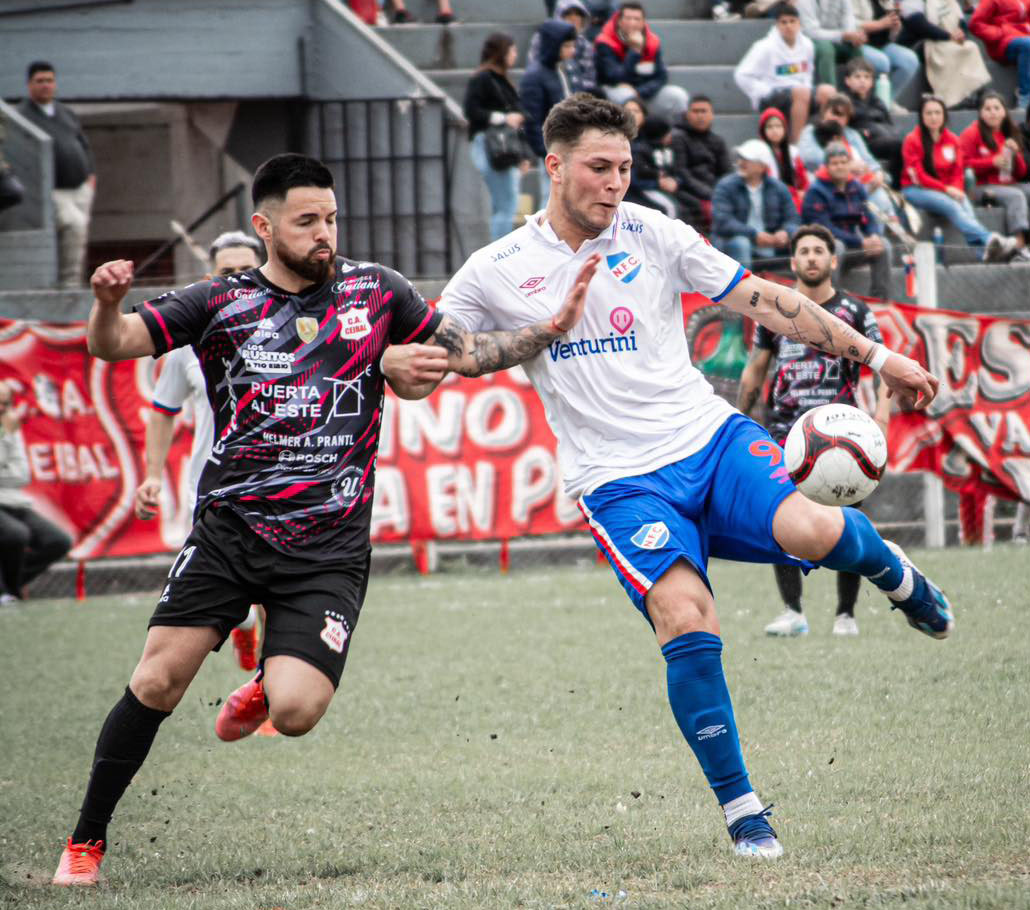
(157, 687)
(806, 529)
(295, 718)
(680, 603)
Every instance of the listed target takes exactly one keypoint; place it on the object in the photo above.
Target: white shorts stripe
(624, 564)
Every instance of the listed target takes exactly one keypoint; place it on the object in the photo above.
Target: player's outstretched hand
(914, 386)
(111, 281)
(413, 364)
(146, 503)
(572, 309)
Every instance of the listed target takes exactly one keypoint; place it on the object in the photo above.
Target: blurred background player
(181, 379)
(805, 378)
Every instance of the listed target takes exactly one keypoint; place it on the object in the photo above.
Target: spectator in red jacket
(1004, 28)
(932, 179)
(772, 129)
(993, 148)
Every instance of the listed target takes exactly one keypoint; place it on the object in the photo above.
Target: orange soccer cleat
(267, 729)
(245, 647)
(80, 863)
(243, 712)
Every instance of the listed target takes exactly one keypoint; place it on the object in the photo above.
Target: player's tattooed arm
(752, 378)
(476, 353)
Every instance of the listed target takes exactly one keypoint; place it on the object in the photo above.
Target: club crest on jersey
(307, 328)
(624, 266)
(334, 634)
(354, 323)
(652, 536)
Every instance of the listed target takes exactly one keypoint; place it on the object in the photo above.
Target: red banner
(476, 460)
(976, 433)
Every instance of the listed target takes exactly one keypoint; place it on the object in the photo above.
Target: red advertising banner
(976, 433)
(477, 460)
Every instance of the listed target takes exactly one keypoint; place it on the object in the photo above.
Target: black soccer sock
(788, 580)
(847, 592)
(123, 744)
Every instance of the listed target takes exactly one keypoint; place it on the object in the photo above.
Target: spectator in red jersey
(932, 179)
(788, 166)
(1004, 28)
(992, 148)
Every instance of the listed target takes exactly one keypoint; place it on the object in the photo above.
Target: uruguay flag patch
(653, 536)
(624, 266)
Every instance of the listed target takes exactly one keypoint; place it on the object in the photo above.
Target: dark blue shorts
(717, 502)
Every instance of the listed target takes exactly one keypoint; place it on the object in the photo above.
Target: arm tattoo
(821, 333)
(755, 297)
(490, 351)
(868, 359)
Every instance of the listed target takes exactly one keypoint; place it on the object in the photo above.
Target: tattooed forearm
(449, 337)
(475, 353)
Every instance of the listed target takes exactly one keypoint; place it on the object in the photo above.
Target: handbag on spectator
(505, 146)
(11, 190)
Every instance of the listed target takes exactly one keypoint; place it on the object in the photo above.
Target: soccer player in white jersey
(182, 379)
(667, 473)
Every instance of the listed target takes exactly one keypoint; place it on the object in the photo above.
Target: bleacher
(700, 55)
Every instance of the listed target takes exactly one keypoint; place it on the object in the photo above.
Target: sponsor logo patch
(711, 732)
(531, 283)
(624, 266)
(621, 319)
(652, 536)
(258, 360)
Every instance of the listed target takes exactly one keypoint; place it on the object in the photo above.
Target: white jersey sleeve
(699, 265)
(465, 300)
(173, 387)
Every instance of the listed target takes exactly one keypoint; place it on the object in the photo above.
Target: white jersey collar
(541, 227)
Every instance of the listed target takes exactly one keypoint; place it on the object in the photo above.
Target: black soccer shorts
(311, 607)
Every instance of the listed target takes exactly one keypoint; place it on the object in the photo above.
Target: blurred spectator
(954, 66)
(579, 69)
(644, 180)
(933, 179)
(753, 214)
(1021, 526)
(777, 71)
(837, 201)
(758, 8)
(629, 62)
(74, 170)
(726, 11)
(992, 147)
(28, 542)
(871, 117)
(674, 179)
(701, 152)
(1004, 28)
(837, 38)
(787, 164)
(401, 15)
(881, 23)
(543, 85)
(492, 101)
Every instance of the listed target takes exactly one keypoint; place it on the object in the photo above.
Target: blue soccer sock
(863, 551)
(701, 704)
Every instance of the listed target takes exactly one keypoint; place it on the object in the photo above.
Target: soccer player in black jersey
(804, 378)
(291, 355)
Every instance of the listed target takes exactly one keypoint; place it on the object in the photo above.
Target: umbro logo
(711, 732)
(531, 283)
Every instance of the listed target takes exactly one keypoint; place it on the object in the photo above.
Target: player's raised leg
(844, 539)
(171, 658)
(682, 611)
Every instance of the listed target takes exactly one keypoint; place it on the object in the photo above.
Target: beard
(318, 271)
(813, 281)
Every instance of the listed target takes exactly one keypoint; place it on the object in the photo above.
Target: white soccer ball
(836, 454)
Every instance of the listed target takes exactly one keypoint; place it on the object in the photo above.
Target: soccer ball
(836, 454)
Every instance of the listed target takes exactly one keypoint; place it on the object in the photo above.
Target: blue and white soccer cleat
(926, 608)
(754, 836)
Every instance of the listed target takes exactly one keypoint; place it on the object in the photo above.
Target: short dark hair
(39, 66)
(231, 240)
(839, 104)
(495, 49)
(569, 119)
(280, 174)
(859, 65)
(697, 99)
(812, 230)
(782, 10)
(631, 4)
(827, 131)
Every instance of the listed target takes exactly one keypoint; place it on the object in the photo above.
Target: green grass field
(506, 742)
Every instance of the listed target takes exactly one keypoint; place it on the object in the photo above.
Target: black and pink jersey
(297, 395)
(804, 378)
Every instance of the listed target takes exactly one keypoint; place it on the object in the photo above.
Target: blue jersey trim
(741, 272)
(163, 408)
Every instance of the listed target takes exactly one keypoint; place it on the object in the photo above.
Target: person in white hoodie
(834, 31)
(777, 71)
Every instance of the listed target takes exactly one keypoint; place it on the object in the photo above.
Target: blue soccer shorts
(717, 502)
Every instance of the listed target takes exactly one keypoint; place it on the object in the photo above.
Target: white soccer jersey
(181, 379)
(619, 390)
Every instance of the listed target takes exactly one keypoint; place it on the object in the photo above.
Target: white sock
(248, 623)
(904, 590)
(735, 809)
